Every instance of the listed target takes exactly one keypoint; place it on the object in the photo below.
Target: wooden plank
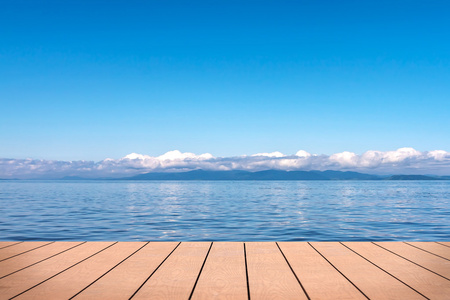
(420, 257)
(70, 282)
(176, 277)
(8, 244)
(372, 281)
(127, 277)
(22, 261)
(224, 275)
(16, 283)
(427, 283)
(48, 272)
(320, 279)
(434, 248)
(445, 243)
(8, 252)
(269, 275)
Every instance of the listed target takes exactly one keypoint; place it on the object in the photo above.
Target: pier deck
(225, 270)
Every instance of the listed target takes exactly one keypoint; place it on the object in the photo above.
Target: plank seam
(42, 260)
(290, 267)
(10, 245)
(145, 281)
(201, 269)
(442, 244)
(108, 271)
(63, 271)
(246, 272)
(426, 251)
(411, 261)
(26, 251)
(339, 271)
(385, 271)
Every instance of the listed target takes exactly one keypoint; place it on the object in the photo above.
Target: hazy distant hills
(414, 177)
(274, 175)
(261, 175)
(232, 175)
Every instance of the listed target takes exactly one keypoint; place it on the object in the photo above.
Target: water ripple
(225, 210)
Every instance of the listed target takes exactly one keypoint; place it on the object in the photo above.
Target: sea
(64, 210)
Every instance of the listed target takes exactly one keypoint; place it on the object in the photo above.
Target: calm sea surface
(225, 210)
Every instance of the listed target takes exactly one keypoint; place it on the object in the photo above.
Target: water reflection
(225, 210)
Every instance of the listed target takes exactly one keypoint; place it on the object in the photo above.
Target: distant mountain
(339, 175)
(261, 175)
(74, 178)
(413, 177)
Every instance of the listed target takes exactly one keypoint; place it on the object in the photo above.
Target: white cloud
(400, 155)
(371, 159)
(302, 153)
(345, 159)
(272, 154)
(400, 161)
(177, 155)
(133, 156)
(439, 155)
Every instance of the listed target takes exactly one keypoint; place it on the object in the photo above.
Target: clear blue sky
(96, 79)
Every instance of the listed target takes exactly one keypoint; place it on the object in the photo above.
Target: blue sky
(96, 79)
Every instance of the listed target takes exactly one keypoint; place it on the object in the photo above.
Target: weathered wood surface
(371, 280)
(315, 273)
(433, 248)
(7, 244)
(422, 258)
(30, 258)
(269, 275)
(224, 270)
(224, 273)
(19, 249)
(123, 281)
(423, 281)
(175, 279)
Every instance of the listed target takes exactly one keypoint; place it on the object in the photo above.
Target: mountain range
(275, 175)
(247, 175)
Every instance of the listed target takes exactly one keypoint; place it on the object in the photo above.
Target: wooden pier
(224, 270)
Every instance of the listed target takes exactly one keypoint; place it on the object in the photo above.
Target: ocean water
(225, 210)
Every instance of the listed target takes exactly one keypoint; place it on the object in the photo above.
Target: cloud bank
(400, 161)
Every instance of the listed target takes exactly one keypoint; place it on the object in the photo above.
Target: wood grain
(425, 259)
(224, 275)
(372, 281)
(127, 277)
(176, 277)
(18, 282)
(19, 262)
(318, 277)
(70, 282)
(269, 274)
(424, 281)
(8, 244)
(8, 252)
(161, 270)
(435, 248)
